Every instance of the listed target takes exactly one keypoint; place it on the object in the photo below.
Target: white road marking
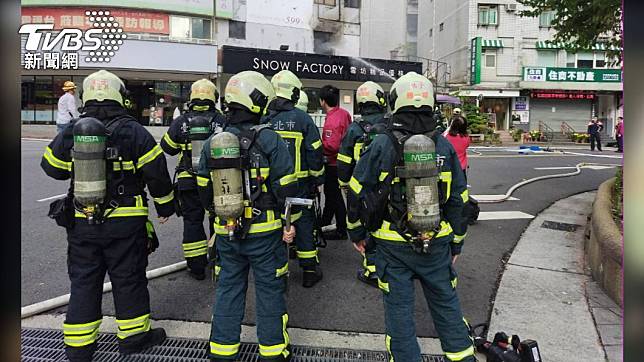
(36, 139)
(592, 167)
(52, 198)
(503, 215)
(493, 197)
(593, 155)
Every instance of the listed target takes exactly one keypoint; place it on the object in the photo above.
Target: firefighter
(372, 107)
(187, 132)
(110, 158)
(410, 186)
(303, 138)
(303, 102)
(244, 176)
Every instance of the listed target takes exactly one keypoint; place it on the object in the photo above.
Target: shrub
(618, 197)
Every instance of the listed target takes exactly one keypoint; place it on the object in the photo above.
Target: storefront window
(546, 58)
(45, 103)
(200, 28)
(585, 60)
(28, 99)
(169, 96)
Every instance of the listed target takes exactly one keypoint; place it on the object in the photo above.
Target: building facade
(507, 62)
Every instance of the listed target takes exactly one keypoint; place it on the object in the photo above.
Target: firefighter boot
(153, 337)
(312, 274)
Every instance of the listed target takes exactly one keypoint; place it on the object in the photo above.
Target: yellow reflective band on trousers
(164, 199)
(383, 176)
(446, 177)
(260, 227)
(198, 248)
(79, 335)
(56, 162)
(454, 282)
(388, 344)
(383, 286)
(224, 349)
(385, 232)
(459, 356)
(307, 254)
(281, 271)
(131, 327)
(353, 225)
(465, 195)
(202, 181)
(367, 267)
(169, 141)
(459, 238)
(277, 349)
(355, 185)
(316, 144)
(344, 158)
(357, 148)
(155, 152)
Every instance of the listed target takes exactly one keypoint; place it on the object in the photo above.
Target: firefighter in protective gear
(399, 261)
(193, 127)
(119, 241)
(303, 102)
(303, 138)
(258, 240)
(372, 107)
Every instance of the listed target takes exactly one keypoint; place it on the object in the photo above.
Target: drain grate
(45, 345)
(561, 226)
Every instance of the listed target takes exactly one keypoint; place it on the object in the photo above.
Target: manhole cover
(44, 345)
(561, 226)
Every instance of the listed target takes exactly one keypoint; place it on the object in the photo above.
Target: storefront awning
(548, 45)
(492, 43)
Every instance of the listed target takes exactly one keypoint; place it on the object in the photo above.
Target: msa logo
(420, 157)
(228, 152)
(88, 139)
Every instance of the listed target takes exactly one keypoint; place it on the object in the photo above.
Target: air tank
(199, 132)
(89, 161)
(226, 176)
(421, 183)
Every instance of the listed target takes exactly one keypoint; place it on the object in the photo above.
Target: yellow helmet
(251, 90)
(371, 92)
(102, 86)
(303, 102)
(287, 85)
(203, 89)
(411, 90)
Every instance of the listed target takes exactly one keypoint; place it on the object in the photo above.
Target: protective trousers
(118, 247)
(396, 266)
(195, 243)
(305, 238)
(267, 256)
(369, 263)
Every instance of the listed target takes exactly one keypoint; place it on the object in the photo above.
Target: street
(339, 302)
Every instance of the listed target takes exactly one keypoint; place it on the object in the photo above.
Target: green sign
(89, 139)
(416, 157)
(475, 61)
(579, 75)
(228, 152)
(199, 130)
(200, 7)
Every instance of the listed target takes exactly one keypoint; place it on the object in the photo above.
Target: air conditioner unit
(510, 8)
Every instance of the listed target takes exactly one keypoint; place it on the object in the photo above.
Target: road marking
(503, 215)
(493, 197)
(592, 167)
(36, 139)
(52, 198)
(593, 155)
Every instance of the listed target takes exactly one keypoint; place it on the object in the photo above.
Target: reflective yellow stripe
(84, 328)
(465, 195)
(298, 137)
(357, 149)
(307, 254)
(317, 173)
(316, 144)
(164, 199)
(355, 185)
(184, 174)
(385, 233)
(169, 141)
(127, 165)
(217, 270)
(446, 176)
(369, 267)
(80, 341)
(383, 176)
(202, 181)
(342, 183)
(458, 356)
(459, 238)
(353, 225)
(302, 174)
(282, 271)
(56, 162)
(155, 152)
(388, 344)
(185, 147)
(383, 286)
(255, 228)
(134, 326)
(454, 282)
(294, 217)
(121, 212)
(224, 349)
(288, 179)
(198, 248)
(344, 158)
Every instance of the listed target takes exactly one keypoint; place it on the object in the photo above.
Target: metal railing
(567, 129)
(547, 132)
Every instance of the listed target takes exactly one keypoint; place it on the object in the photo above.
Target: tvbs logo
(69, 39)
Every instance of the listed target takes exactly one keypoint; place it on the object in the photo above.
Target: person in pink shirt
(335, 126)
(619, 134)
(460, 140)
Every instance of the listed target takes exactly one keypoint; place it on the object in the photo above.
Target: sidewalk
(49, 131)
(547, 294)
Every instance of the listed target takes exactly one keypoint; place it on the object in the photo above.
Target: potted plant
(535, 135)
(516, 134)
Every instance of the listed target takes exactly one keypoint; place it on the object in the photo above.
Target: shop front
(316, 71)
(496, 103)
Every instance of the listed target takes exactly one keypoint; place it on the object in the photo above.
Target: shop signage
(475, 61)
(315, 66)
(547, 74)
(521, 103)
(561, 95)
(129, 21)
(200, 7)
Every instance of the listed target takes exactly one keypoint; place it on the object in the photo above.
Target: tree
(580, 24)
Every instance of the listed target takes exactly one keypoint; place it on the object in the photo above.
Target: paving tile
(606, 316)
(614, 353)
(610, 334)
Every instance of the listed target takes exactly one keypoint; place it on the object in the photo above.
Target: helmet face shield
(250, 90)
(102, 86)
(411, 90)
(286, 85)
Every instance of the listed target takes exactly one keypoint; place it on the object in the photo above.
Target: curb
(604, 246)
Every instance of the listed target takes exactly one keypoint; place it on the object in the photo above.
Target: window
(488, 15)
(412, 49)
(490, 58)
(585, 60)
(321, 43)
(236, 29)
(28, 99)
(185, 28)
(326, 2)
(546, 18)
(355, 4)
(200, 28)
(547, 58)
(412, 24)
(441, 26)
(45, 102)
(600, 60)
(571, 60)
(431, 32)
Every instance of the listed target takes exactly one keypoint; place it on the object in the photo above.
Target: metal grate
(561, 226)
(45, 345)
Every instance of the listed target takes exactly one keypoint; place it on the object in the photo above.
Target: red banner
(562, 95)
(130, 21)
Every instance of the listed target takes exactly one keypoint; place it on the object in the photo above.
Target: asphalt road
(339, 302)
